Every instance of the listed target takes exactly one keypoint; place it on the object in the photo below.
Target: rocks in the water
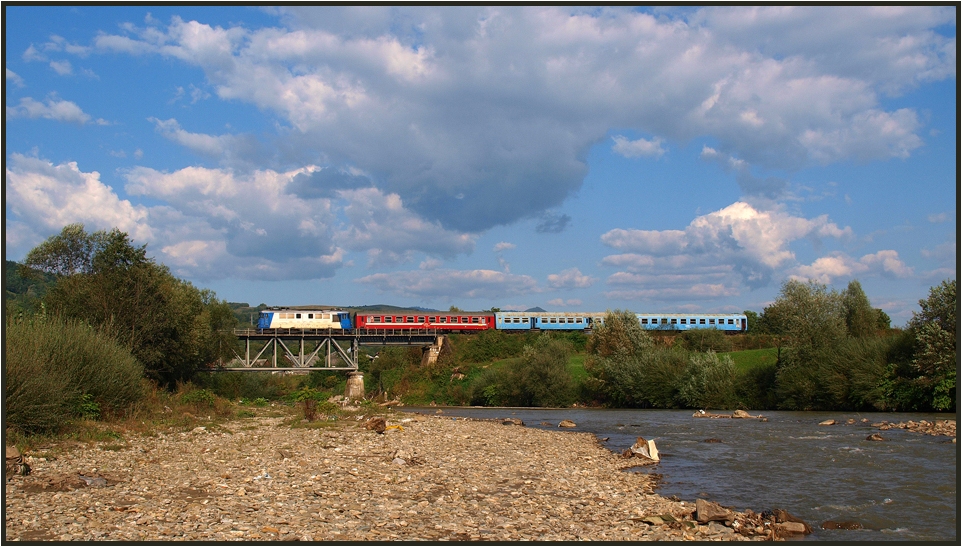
(645, 449)
(874, 437)
(707, 511)
(843, 525)
(827, 422)
(567, 423)
(511, 421)
(712, 440)
(741, 414)
(792, 529)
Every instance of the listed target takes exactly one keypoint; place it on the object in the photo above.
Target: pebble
(462, 480)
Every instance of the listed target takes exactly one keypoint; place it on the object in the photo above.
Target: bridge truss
(333, 349)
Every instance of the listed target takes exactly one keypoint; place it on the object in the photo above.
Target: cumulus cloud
(504, 246)
(571, 278)
(839, 265)
(638, 148)
(381, 225)
(216, 223)
(53, 109)
(454, 108)
(447, 284)
(714, 255)
(562, 303)
(45, 197)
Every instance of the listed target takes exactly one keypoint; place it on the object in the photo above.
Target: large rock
(707, 511)
(567, 423)
(377, 424)
(827, 422)
(645, 449)
(741, 414)
(791, 529)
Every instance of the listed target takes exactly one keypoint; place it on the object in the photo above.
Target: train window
(388, 319)
(654, 321)
(444, 320)
(701, 321)
(644, 320)
(731, 321)
(577, 319)
(475, 319)
(524, 319)
(297, 316)
(674, 321)
(310, 316)
(553, 320)
(684, 321)
(711, 321)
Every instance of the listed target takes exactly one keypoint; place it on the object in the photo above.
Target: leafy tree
(883, 322)
(708, 382)
(753, 325)
(706, 340)
(936, 354)
(861, 319)
(810, 317)
(541, 378)
(169, 325)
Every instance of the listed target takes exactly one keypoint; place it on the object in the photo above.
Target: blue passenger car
(728, 322)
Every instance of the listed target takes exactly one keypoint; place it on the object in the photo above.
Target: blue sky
(575, 159)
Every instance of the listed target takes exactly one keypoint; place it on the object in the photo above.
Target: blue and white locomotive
(284, 318)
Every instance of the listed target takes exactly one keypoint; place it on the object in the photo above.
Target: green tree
(936, 353)
(753, 325)
(861, 319)
(811, 319)
(541, 378)
(883, 322)
(169, 325)
(708, 382)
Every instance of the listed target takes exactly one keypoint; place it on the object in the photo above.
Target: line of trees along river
(831, 349)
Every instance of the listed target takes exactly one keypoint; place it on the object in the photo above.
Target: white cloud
(456, 107)
(571, 278)
(63, 68)
(839, 265)
(14, 78)
(638, 148)
(504, 246)
(445, 284)
(45, 197)
(937, 218)
(714, 256)
(53, 109)
(220, 146)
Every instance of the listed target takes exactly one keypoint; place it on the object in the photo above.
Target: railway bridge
(303, 349)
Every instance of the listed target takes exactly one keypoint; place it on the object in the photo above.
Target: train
(512, 321)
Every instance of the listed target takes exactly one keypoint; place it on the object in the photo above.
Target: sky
(671, 159)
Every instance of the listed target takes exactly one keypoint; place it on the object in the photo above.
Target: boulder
(707, 511)
(827, 422)
(741, 414)
(511, 421)
(874, 437)
(567, 423)
(377, 424)
(784, 517)
(791, 529)
(645, 449)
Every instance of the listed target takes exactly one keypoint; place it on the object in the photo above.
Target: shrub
(56, 370)
(707, 382)
(702, 340)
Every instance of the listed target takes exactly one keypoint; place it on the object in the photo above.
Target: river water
(903, 489)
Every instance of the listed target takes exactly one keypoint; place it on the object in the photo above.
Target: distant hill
(535, 309)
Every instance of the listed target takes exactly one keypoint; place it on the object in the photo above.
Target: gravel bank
(432, 478)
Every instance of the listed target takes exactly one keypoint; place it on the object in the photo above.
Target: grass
(751, 358)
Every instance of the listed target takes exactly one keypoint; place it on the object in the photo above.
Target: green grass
(751, 358)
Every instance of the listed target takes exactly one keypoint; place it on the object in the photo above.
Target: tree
(861, 319)
(708, 382)
(541, 378)
(936, 354)
(170, 326)
(810, 318)
(753, 325)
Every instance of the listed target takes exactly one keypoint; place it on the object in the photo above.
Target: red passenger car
(445, 321)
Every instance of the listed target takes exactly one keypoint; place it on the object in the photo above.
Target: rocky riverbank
(423, 477)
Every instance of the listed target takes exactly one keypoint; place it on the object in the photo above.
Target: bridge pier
(355, 386)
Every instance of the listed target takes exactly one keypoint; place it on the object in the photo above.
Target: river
(902, 489)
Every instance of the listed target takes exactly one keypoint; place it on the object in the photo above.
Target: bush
(708, 382)
(702, 340)
(56, 370)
